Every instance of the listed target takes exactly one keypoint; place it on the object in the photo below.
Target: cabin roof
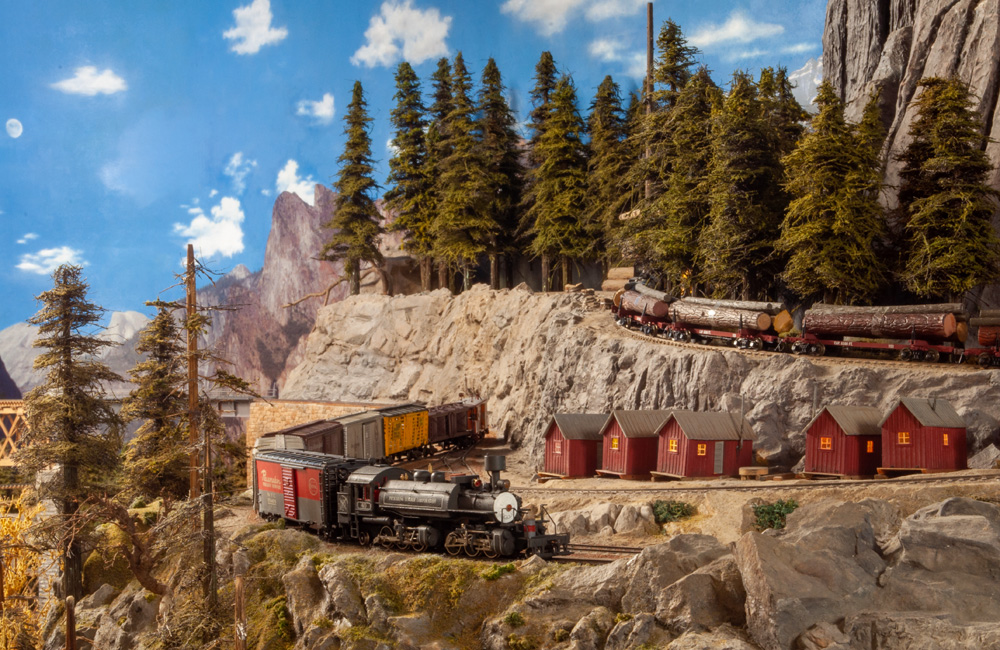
(933, 412)
(581, 426)
(712, 425)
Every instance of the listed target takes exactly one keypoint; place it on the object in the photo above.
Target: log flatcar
(348, 499)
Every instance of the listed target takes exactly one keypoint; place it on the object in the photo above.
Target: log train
(908, 332)
(347, 499)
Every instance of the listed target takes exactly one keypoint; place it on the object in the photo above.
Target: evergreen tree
(735, 248)
(546, 78)
(559, 188)
(834, 224)
(673, 66)
(410, 194)
(157, 459)
(950, 243)
(463, 230)
(72, 422)
(356, 223)
(607, 189)
(500, 187)
(437, 145)
(783, 112)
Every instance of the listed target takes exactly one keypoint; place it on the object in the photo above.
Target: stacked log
(653, 293)
(880, 322)
(642, 304)
(770, 308)
(782, 322)
(718, 317)
(988, 323)
(621, 273)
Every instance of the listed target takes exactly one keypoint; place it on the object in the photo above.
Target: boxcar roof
(364, 416)
(929, 412)
(639, 424)
(581, 426)
(309, 428)
(402, 409)
(716, 425)
(854, 420)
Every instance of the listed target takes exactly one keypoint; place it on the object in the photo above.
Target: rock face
(890, 45)
(534, 355)
(8, 389)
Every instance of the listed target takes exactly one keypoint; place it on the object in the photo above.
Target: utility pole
(241, 616)
(192, 348)
(649, 82)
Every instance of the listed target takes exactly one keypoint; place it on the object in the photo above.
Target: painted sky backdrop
(133, 128)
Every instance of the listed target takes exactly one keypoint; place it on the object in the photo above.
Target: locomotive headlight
(505, 507)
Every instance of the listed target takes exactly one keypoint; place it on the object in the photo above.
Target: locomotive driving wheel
(454, 543)
(387, 538)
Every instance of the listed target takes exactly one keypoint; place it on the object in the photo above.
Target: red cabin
(923, 434)
(695, 444)
(573, 444)
(629, 442)
(844, 441)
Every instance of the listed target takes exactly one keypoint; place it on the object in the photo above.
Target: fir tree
(834, 224)
(462, 229)
(500, 188)
(437, 144)
(356, 223)
(157, 459)
(410, 194)
(783, 112)
(673, 66)
(950, 244)
(72, 422)
(546, 78)
(559, 186)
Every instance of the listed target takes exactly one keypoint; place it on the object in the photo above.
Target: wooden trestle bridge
(12, 428)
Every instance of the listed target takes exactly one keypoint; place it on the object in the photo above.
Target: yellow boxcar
(404, 428)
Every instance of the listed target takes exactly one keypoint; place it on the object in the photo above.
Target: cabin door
(720, 455)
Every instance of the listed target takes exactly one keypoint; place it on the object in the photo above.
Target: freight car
(389, 434)
(910, 333)
(347, 499)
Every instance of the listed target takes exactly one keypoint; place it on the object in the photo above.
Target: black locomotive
(348, 499)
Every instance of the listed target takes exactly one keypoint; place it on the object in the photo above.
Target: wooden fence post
(241, 617)
(70, 623)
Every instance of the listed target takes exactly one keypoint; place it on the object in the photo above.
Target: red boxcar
(629, 442)
(704, 444)
(844, 441)
(923, 434)
(573, 444)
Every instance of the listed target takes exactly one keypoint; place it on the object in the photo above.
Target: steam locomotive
(349, 499)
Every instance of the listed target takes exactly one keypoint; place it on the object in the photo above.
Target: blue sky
(133, 128)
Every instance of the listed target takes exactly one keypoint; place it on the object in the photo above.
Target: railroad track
(824, 360)
(596, 554)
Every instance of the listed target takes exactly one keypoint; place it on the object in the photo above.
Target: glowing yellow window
(614, 442)
(826, 443)
(946, 440)
(673, 446)
(557, 446)
(871, 446)
(702, 450)
(903, 437)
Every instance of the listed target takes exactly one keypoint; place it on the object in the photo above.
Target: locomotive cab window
(826, 443)
(702, 450)
(614, 442)
(903, 437)
(673, 446)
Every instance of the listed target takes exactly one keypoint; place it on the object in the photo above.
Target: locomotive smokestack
(494, 465)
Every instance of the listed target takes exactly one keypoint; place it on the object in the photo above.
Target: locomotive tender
(348, 499)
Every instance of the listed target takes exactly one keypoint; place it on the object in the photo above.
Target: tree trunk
(72, 578)
(944, 308)
(443, 275)
(494, 271)
(720, 318)
(546, 271)
(989, 336)
(425, 273)
(567, 271)
(638, 303)
(653, 293)
(880, 325)
(748, 305)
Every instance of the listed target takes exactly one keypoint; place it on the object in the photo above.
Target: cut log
(877, 324)
(720, 318)
(990, 313)
(653, 293)
(617, 299)
(985, 321)
(961, 330)
(770, 308)
(949, 308)
(640, 304)
(613, 285)
(621, 273)
(989, 336)
(782, 322)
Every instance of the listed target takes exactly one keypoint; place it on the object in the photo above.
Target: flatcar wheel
(984, 359)
(756, 344)
(905, 354)
(364, 538)
(453, 544)
(932, 356)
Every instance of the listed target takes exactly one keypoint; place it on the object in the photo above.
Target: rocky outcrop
(8, 389)
(890, 45)
(534, 355)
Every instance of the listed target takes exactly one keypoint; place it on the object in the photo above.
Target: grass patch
(773, 515)
(497, 571)
(513, 619)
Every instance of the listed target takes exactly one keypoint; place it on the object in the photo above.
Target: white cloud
(213, 194)
(604, 9)
(265, 192)
(799, 48)
(27, 237)
(237, 169)
(289, 181)
(47, 260)
(253, 28)
(322, 111)
(550, 16)
(739, 28)
(87, 81)
(398, 26)
(390, 146)
(747, 54)
(606, 49)
(220, 234)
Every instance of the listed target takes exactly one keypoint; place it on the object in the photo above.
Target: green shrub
(515, 642)
(140, 502)
(665, 511)
(514, 619)
(621, 617)
(496, 571)
(772, 515)
(561, 635)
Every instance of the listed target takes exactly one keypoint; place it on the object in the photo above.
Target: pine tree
(72, 422)
(410, 194)
(559, 188)
(356, 223)
(673, 67)
(783, 112)
(735, 248)
(437, 145)
(546, 78)
(950, 244)
(157, 459)
(462, 229)
(834, 224)
(500, 188)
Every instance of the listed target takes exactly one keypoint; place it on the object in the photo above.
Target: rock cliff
(533, 355)
(890, 45)
(8, 389)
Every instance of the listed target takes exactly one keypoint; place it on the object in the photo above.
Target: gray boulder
(709, 597)
(342, 598)
(725, 637)
(591, 631)
(132, 614)
(902, 631)
(304, 594)
(658, 567)
(633, 521)
(634, 632)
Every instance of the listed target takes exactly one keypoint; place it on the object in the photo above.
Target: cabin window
(946, 440)
(826, 443)
(614, 442)
(871, 446)
(702, 450)
(557, 446)
(903, 437)
(673, 446)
